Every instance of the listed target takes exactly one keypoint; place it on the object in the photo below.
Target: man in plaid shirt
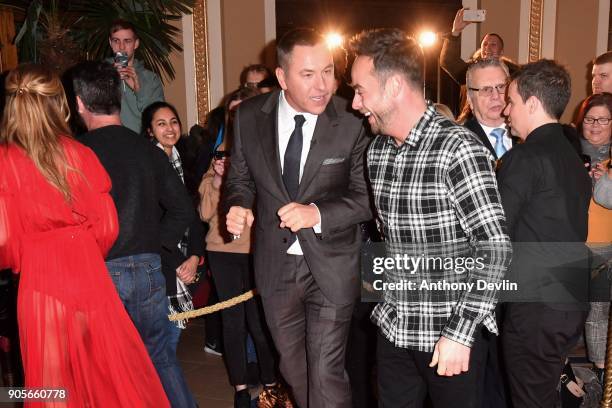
(433, 183)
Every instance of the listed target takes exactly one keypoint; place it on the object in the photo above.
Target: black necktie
(293, 156)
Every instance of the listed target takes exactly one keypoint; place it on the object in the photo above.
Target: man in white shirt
(297, 159)
(486, 81)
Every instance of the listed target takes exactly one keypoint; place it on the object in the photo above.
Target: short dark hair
(146, 119)
(97, 83)
(121, 24)
(600, 99)
(604, 58)
(261, 68)
(391, 50)
(298, 36)
(546, 80)
(501, 40)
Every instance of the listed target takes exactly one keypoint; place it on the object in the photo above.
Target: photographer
(140, 87)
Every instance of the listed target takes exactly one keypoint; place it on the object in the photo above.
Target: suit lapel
(267, 126)
(325, 129)
(475, 127)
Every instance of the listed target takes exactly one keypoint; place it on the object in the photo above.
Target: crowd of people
(107, 230)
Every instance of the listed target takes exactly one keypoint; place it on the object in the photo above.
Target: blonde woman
(57, 221)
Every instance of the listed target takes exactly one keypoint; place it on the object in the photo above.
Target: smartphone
(220, 154)
(121, 58)
(476, 16)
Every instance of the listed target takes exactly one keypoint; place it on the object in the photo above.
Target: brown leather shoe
(275, 396)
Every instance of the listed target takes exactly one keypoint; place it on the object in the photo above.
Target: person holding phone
(230, 263)
(141, 87)
(491, 46)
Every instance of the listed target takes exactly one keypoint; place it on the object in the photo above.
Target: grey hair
(481, 63)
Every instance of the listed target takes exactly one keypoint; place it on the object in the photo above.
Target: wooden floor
(207, 376)
(205, 373)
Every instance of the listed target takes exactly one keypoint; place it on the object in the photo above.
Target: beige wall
(575, 38)
(503, 18)
(174, 91)
(243, 37)
(575, 46)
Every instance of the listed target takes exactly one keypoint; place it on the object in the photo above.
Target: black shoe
(213, 348)
(600, 374)
(242, 399)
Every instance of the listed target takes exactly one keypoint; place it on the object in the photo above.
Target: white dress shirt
(286, 124)
(506, 140)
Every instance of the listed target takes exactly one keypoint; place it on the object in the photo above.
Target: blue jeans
(142, 290)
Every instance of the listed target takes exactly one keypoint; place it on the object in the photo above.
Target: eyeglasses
(488, 90)
(252, 85)
(590, 120)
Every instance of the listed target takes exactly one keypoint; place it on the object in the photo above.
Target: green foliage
(85, 24)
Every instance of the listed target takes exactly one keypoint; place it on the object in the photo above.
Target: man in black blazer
(545, 192)
(297, 174)
(486, 81)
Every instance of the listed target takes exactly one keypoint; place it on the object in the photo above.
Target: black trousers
(536, 341)
(360, 360)
(310, 333)
(232, 275)
(405, 378)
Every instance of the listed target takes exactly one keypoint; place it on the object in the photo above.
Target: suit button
(284, 240)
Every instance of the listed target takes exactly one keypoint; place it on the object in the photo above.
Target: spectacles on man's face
(589, 120)
(488, 90)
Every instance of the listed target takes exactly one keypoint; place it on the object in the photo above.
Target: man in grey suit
(297, 159)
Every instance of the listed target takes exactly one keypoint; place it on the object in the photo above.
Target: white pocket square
(333, 160)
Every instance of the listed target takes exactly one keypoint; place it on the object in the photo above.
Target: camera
(121, 58)
(220, 154)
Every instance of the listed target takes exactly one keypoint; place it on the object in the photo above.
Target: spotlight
(427, 38)
(333, 40)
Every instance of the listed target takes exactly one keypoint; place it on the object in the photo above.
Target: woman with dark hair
(161, 123)
(231, 265)
(594, 124)
(57, 222)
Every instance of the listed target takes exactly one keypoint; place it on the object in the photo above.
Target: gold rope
(214, 308)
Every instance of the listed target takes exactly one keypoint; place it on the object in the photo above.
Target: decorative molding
(603, 27)
(201, 59)
(549, 29)
(535, 30)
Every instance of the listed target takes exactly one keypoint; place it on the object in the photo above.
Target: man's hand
(458, 23)
(237, 218)
(451, 357)
(297, 216)
(187, 270)
(129, 75)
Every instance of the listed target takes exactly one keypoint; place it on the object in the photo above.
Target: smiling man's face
(308, 78)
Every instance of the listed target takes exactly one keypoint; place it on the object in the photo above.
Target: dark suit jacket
(545, 191)
(333, 179)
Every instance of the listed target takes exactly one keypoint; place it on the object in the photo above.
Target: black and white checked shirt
(437, 187)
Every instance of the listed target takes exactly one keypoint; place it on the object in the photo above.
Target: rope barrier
(214, 308)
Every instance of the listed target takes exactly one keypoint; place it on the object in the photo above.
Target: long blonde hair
(36, 114)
